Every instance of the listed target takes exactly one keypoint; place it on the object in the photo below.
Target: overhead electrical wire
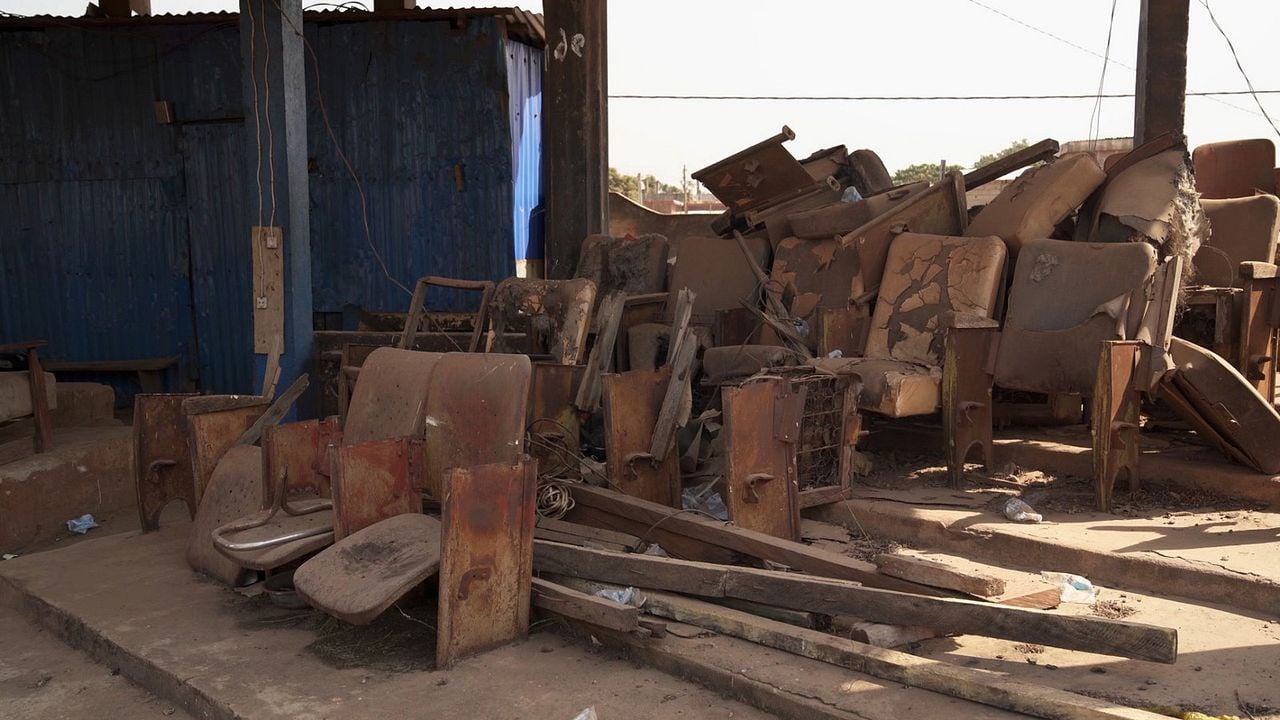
(895, 98)
(1095, 120)
(1231, 46)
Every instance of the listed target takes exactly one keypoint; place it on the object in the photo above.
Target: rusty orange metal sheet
(162, 457)
(374, 481)
(486, 558)
(211, 434)
(301, 451)
(761, 431)
(475, 413)
(552, 419)
(632, 402)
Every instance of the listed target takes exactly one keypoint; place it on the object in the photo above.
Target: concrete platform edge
(1163, 576)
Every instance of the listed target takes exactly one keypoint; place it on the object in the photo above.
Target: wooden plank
(40, 402)
(930, 572)
(676, 545)
(599, 362)
(741, 540)
(360, 576)
(972, 684)
(1042, 150)
(276, 412)
(570, 603)
(542, 533)
(676, 400)
(879, 634)
(139, 365)
(630, 542)
(835, 597)
(487, 557)
(632, 401)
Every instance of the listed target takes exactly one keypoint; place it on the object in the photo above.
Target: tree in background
(1014, 147)
(921, 171)
(629, 185)
(930, 171)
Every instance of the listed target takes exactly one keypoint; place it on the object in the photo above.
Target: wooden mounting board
(366, 572)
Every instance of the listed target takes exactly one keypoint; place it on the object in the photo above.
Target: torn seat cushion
(891, 387)
(720, 364)
(1240, 230)
(1065, 299)
(1031, 206)
(924, 277)
(15, 394)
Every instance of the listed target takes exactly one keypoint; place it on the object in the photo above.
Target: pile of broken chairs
(659, 421)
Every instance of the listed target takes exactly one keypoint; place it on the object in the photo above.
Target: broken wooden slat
(741, 540)
(675, 544)
(630, 542)
(542, 533)
(276, 412)
(930, 572)
(972, 684)
(571, 603)
(676, 400)
(835, 597)
(600, 360)
(1042, 150)
(879, 634)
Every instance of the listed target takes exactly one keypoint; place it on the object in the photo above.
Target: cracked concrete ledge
(981, 537)
(136, 669)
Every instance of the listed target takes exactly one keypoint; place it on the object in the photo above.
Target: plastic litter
(82, 524)
(8, 556)
(625, 596)
(703, 498)
(588, 714)
(851, 194)
(1074, 588)
(1018, 511)
(837, 353)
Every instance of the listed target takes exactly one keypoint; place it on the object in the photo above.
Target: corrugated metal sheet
(414, 106)
(524, 90)
(123, 238)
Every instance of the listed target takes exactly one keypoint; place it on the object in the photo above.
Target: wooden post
(575, 130)
(1161, 103)
(274, 84)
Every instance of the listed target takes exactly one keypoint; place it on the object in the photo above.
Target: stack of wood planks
(712, 577)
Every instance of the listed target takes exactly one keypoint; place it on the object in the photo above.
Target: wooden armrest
(1257, 270)
(457, 284)
(23, 345)
(967, 321)
(646, 299)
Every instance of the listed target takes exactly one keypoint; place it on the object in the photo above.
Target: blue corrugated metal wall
(123, 238)
(524, 89)
(410, 102)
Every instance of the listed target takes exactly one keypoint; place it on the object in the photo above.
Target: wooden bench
(150, 370)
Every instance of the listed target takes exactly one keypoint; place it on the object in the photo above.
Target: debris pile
(630, 450)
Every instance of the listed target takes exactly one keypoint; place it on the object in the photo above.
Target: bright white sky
(904, 47)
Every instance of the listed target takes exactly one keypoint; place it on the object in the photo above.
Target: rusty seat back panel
(1066, 298)
(1241, 230)
(1235, 168)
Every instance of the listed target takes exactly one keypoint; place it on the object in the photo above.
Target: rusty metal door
(761, 431)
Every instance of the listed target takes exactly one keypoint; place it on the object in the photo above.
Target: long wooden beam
(748, 542)
(578, 605)
(836, 597)
(972, 684)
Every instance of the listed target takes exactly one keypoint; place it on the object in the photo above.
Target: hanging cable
(1231, 46)
(1095, 120)
(324, 116)
(271, 136)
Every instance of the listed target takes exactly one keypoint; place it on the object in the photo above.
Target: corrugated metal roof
(520, 24)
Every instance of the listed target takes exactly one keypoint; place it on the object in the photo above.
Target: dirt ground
(43, 679)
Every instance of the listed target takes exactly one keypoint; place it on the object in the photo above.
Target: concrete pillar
(1161, 102)
(275, 111)
(575, 135)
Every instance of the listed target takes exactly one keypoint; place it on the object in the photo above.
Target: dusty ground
(43, 679)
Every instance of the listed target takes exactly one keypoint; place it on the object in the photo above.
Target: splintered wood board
(363, 574)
